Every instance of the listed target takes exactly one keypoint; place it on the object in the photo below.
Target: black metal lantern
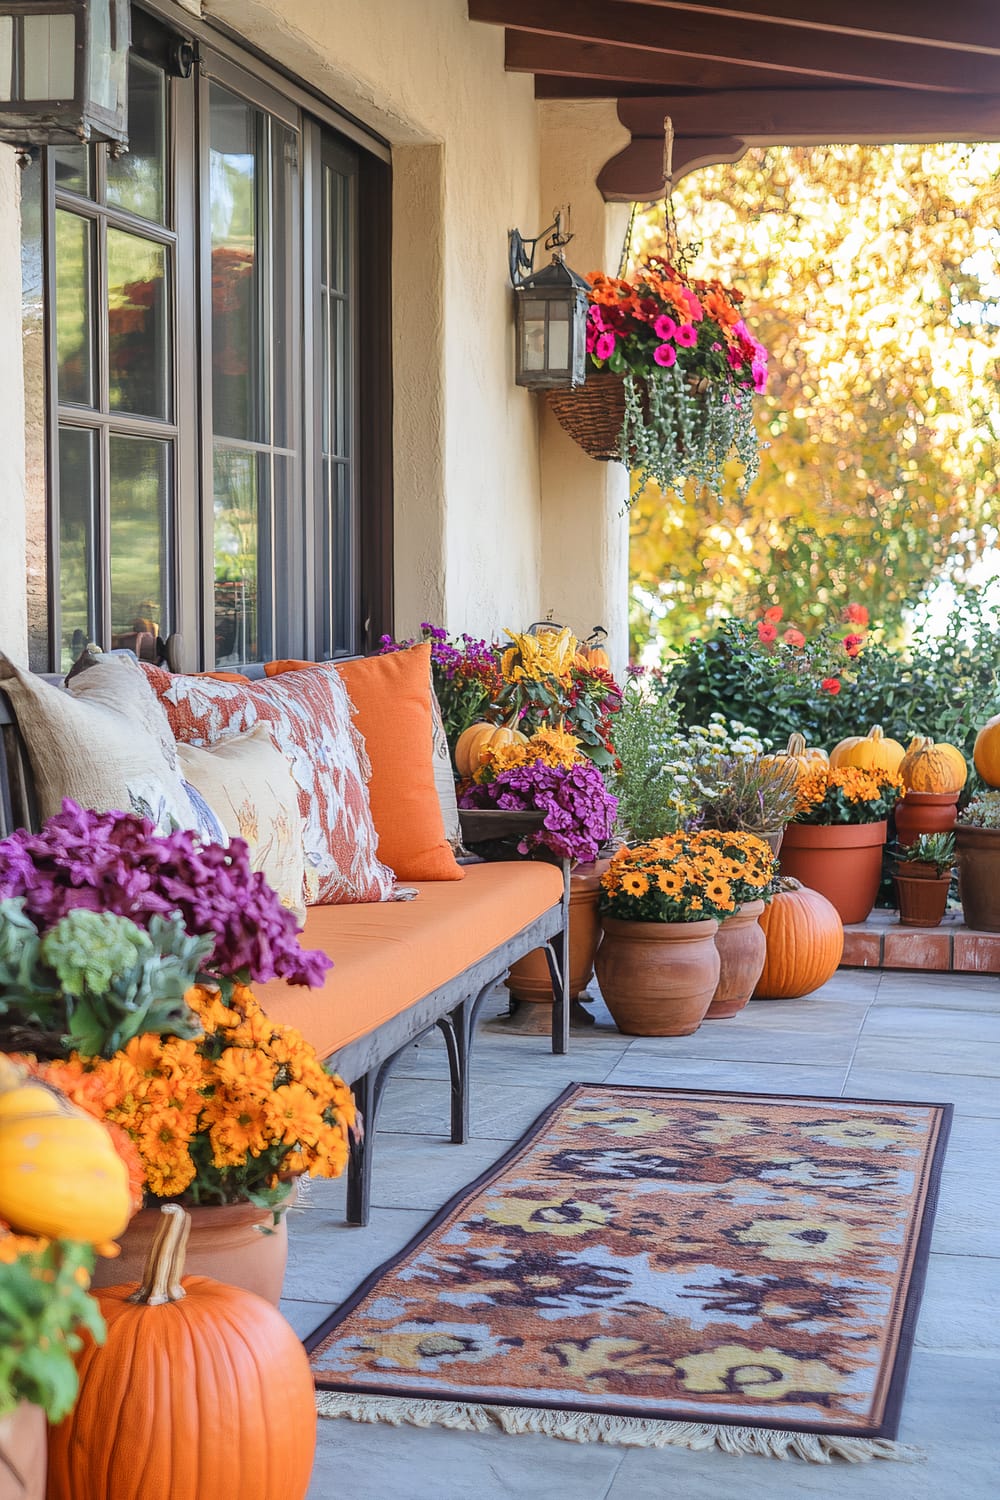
(63, 71)
(551, 315)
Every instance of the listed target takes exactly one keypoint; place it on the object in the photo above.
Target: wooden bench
(401, 968)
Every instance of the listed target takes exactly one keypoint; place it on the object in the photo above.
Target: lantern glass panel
(533, 334)
(558, 336)
(136, 178)
(49, 56)
(105, 75)
(6, 57)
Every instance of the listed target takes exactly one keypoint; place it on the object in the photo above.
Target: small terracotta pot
(742, 950)
(843, 861)
(237, 1243)
(24, 1436)
(922, 901)
(658, 978)
(773, 840)
(529, 981)
(924, 812)
(977, 851)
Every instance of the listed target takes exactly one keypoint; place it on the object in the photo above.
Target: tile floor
(866, 1034)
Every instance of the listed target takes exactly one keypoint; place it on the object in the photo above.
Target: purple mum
(115, 862)
(579, 810)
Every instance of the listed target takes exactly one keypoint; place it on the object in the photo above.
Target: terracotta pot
(843, 861)
(773, 840)
(658, 978)
(238, 1243)
(978, 854)
(529, 980)
(922, 901)
(742, 950)
(925, 812)
(24, 1437)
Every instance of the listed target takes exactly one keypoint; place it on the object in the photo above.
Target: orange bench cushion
(389, 954)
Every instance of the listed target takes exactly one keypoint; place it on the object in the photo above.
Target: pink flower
(664, 327)
(687, 335)
(735, 358)
(774, 614)
(695, 310)
(665, 355)
(766, 634)
(605, 346)
(831, 685)
(793, 637)
(758, 370)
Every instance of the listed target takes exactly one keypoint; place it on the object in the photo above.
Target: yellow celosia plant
(533, 658)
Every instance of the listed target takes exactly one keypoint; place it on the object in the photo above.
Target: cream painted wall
(584, 525)
(13, 573)
(465, 150)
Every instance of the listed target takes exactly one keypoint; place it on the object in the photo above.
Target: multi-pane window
(192, 334)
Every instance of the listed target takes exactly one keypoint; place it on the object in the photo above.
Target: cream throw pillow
(106, 755)
(444, 778)
(248, 784)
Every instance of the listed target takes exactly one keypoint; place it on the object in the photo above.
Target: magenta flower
(605, 346)
(664, 327)
(665, 355)
(695, 310)
(687, 335)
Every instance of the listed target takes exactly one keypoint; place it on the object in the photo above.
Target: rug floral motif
(694, 1257)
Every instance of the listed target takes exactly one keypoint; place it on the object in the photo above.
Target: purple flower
(114, 862)
(579, 810)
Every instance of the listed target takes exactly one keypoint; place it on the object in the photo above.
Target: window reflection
(139, 487)
(74, 249)
(77, 489)
(136, 178)
(237, 509)
(137, 325)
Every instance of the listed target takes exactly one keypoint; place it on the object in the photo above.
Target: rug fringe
(631, 1432)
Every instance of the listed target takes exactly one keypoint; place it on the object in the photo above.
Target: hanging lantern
(550, 313)
(63, 71)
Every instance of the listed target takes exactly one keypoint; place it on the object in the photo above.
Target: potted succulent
(977, 846)
(834, 843)
(661, 903)
(672, 372)
(923, 877)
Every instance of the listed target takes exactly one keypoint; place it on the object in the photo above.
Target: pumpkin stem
(161, 1277)
(876, 732)
(796, 744)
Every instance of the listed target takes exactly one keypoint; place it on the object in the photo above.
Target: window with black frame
(196, 366)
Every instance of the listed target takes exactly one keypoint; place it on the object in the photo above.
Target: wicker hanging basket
(594, 413)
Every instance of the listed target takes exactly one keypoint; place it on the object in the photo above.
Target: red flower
(855, 614)
(831, 685)
(793, 637)
(853, 644)
(766, 633)
(774, 614)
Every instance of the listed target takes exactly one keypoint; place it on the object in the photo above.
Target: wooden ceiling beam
(627, 28)
(818, 114)
(972, 25)
(690, 79)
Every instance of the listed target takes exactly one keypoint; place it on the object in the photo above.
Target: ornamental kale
(579, 810)
(116, 862)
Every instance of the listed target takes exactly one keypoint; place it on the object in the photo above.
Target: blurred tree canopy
(872, 276)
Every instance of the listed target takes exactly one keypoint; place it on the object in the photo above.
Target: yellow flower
(635, 884)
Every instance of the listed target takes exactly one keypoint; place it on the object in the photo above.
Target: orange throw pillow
(392, 699)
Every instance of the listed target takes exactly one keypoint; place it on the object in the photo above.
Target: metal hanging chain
(672, 250)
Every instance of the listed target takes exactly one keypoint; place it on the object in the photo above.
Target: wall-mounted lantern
(551, 313)
(63, 71)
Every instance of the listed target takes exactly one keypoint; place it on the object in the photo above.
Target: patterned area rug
(662, 1266)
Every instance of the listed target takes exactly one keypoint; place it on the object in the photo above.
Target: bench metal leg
(367, 1096)
(451, 1027)
(557, 955)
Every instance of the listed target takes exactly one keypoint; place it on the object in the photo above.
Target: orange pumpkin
(200, 1390)
(930, 767)
(594, 656)
(478, 738)
(803, 756)
(986, 751)
(869, 752)
(805, 942)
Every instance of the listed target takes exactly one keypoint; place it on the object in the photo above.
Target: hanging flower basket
(672, 372)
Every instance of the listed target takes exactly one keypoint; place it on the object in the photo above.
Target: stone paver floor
(865, 1034)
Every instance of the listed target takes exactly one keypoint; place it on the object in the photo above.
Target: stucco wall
(13, 573)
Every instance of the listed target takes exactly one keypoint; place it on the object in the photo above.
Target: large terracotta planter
(529, 983)
(843, 861)
(658, 978)
(238, 1243)
(742, 950)
(925, 812)
(24, 1435)
(977, 852)
(922, 902)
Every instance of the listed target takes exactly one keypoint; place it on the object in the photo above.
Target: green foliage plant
(648, 783)
(982, 812)
(94, 981)
(44, 1306)
(937, 849)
